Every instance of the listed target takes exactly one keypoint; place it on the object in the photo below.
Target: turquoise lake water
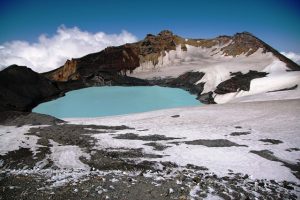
(115, 100)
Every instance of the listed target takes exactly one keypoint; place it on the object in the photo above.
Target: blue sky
(275, 21)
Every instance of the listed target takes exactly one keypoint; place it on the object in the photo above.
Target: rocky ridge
(128, 57)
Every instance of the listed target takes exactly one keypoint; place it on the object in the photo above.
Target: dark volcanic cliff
(21, 88)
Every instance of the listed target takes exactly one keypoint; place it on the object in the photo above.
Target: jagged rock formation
(67, 72)
(21, 89)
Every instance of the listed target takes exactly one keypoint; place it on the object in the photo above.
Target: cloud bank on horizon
(52, 52)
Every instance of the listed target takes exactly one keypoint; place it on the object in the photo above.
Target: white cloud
(52, 52)
(293, 56)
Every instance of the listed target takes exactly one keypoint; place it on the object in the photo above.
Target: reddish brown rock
(66, 72)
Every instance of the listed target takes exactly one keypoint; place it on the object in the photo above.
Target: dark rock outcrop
(206, 98)
(186, 81)
(114, 79)
(238, 81)
(214, 143)
(21, 89)
(101, 79)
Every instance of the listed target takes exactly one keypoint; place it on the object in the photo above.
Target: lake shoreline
(116, 100)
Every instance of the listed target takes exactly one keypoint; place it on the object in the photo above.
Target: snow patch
(67, 157)
(13, 138)
(194, 190)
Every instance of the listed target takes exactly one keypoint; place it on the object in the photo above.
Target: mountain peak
(165, 33)
(246, 33)
(244, 43)
(161, 34)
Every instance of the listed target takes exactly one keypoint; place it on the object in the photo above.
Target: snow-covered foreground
(236, 150)
(245, 124)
